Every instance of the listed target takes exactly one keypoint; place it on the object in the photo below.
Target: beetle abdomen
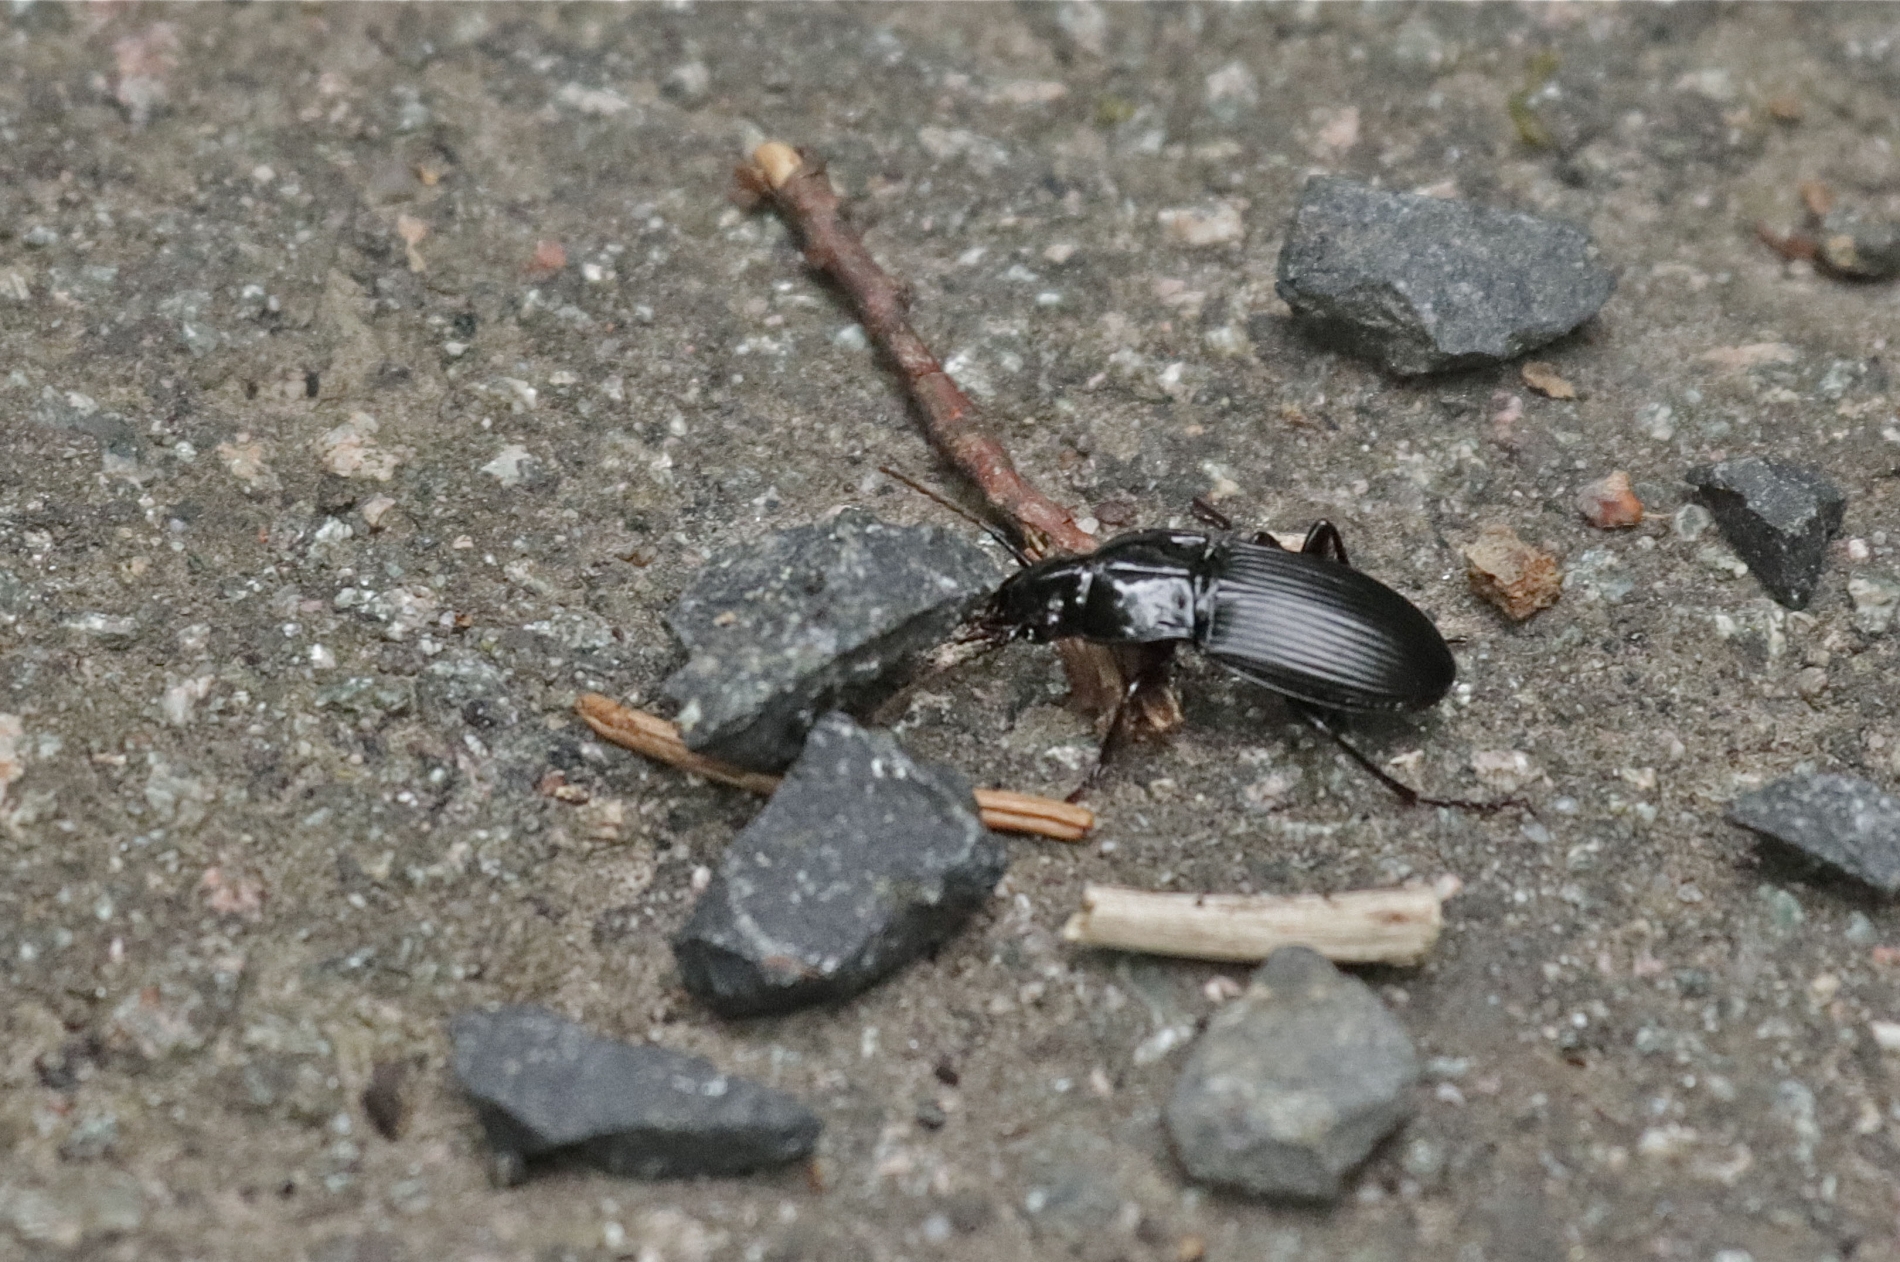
(1321, 632)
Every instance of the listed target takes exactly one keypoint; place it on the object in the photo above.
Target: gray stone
(1858, 247)
(367, 696)
(861, 861)
(543, 1084)
(113, 631)
(16, 596)
(1293, 1083)
(1777, 517)
(1876, 598)
(90, 1138)
(1426, 284)
(810, 618)
(79, 1204)
(1844, 822)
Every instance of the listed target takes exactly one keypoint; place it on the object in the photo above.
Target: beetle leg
(1323, 540)
(1153, 673)
(1265, 539)
(1406, 793)
(1210, 515)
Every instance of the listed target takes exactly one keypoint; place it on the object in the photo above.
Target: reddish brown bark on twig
(796, 187)
(799, 189)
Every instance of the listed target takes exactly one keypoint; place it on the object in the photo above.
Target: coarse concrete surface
(366, 482)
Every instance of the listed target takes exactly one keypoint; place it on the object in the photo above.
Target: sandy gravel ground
(372, 377)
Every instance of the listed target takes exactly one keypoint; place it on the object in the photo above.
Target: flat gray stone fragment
(1858, 247)
(1876, 599)
(808, 619)
(1293, 1083)
(1430, 284)
(1844, 822)
(1777, 517)
(543, 1084)
(861, 861)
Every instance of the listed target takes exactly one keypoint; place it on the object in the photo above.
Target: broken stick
(795, 185)
(1391, 926)
(651, 735)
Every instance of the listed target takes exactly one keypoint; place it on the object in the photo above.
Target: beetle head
(1042, 603)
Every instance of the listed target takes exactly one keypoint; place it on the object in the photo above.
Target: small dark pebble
(930, 1115)
(1426, 284)
(860, 862)
(544, 1085)
(809, 619)
(1858, 248)
(1777, 517)
(947, 1073)
(386, 1099)
(1844, 822)
(481, 714)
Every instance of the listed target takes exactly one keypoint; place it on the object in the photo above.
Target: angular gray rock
(809, 618)
(1858, 247)
(1844, 822)
(1293, 1083)
(1777, 517)
(861, 861)
(543, 1084)
(1428, 284)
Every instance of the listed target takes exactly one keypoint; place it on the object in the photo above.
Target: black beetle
(1304, 624)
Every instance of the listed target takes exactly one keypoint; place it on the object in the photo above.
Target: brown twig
(648, 734)
(1391, 926)
(796, 186)
(799, 189)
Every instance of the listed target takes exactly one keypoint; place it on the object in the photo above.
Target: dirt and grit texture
(373, 378)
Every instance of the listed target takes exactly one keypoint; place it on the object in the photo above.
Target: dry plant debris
(1390, 926)
(1544, 378)
(1002, 810)
(1511, 574)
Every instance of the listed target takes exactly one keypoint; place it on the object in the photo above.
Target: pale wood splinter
(651, 735)
(1389, 926)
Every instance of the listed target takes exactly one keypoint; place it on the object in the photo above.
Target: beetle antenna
(995, 532)
(1406, 793)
